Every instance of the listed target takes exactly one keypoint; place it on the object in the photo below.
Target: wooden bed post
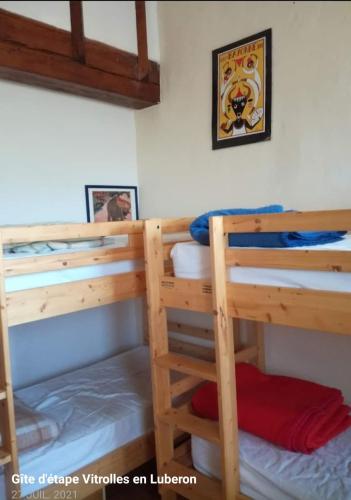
(261, 359)
(224, 341)
(8, 450)
(158, 333)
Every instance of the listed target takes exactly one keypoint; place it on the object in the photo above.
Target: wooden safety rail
(229, 302)
(33, 304)
(38, 303)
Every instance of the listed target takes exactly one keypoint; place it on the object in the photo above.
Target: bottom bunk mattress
(268, 472)
(97, 408)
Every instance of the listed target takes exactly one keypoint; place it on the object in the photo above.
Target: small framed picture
(111, 203)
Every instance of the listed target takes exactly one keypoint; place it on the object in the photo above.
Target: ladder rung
(205, 488)
(2, 395)
(191, 366)
(5, 457)
(185, 384)
(246, 354)
(207, 429)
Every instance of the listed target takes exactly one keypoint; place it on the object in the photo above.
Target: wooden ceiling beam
(143, 58)
(38, 54)
(77, 30)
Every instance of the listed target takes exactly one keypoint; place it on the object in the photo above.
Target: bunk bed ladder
(166, 418)
(8, 450)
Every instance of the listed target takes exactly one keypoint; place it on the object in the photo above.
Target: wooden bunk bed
(32, 304)
(321, 310)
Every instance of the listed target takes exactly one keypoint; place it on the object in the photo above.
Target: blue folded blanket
(199, 230)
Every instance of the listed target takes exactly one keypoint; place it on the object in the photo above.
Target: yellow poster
(242, 91)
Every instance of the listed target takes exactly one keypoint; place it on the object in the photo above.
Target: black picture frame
(246, 137)
(118, 210)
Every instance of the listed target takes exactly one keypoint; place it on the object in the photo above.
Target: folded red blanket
(296, 414)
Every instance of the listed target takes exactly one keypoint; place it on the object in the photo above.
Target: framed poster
(111, 203)
(242, 91)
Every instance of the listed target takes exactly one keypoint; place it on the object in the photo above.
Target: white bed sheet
(98, 408)
(192, 261)
(36, 280)
(271, 473)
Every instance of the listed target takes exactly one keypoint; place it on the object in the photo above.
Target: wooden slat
(179, 225)
(188, 365)
(42, 263)
(77, 30)
(184, 385)
(194, 295)
(224, 342)
(5, 457)
(45, 302)
(190, 349)
(28, 234)
(207, 429)
(247, 354)
(8, 455)
(143, 59)
(191, 331)
(312, 309)
(161, 386)
(290, 259)
(120, 462)
(204, 489)
(321, 220)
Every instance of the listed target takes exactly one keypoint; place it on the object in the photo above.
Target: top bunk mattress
(98, 408)
(193, 261)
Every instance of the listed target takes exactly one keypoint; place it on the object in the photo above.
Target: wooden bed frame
(39, 303)
(49, 301)
(230, 302)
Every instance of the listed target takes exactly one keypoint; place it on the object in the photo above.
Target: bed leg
(261, 361)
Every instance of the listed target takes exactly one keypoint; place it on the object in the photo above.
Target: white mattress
(192, 261)
(271, 473)
(57, 277)
(98, 408)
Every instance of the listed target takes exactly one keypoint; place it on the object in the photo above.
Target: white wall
(306, 165)
(51, 145)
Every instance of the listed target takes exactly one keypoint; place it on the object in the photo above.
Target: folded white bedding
(68, 275)
(271, 473)
(44, 247)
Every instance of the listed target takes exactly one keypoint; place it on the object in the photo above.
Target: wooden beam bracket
(38, 54)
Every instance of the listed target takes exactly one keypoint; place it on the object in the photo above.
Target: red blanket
(295, 414)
